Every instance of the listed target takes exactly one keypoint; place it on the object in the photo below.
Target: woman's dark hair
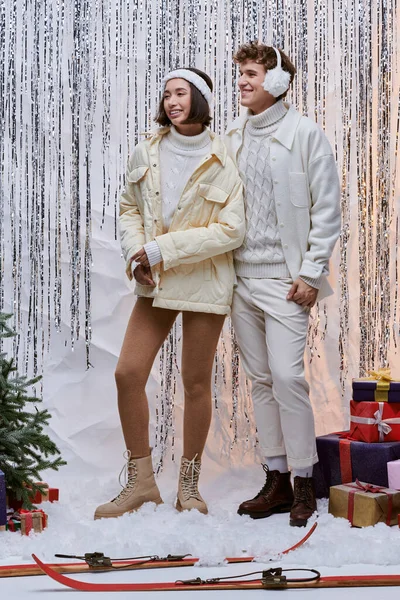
(199, 110)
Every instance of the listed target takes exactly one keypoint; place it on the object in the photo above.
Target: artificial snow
(162, 530)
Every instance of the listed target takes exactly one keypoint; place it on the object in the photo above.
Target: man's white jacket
(307, 193)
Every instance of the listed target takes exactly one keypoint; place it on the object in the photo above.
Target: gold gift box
(361, 507)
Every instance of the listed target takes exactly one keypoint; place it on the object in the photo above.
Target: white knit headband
(276, 80)
(197, 81)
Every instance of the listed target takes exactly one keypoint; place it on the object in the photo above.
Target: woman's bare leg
(201, 332)
(147, 329)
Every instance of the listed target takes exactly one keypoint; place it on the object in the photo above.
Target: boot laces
(267, 487)
(190, 473)
(129, 475)
(303, 493)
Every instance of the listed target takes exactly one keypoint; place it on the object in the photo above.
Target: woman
(181, 215)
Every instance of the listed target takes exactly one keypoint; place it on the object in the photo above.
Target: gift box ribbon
(383, 424)
(383, 379)
(28, 516)
(369, 488)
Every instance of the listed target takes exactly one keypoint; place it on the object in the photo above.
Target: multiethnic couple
(247, 225)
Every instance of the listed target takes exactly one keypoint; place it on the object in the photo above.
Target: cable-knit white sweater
(261, 254)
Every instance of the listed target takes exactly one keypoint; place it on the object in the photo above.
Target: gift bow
(380, 375)
(383, 424)
(22, 511)
(372, 489)
(368, 487)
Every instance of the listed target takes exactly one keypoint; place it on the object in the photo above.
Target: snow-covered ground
(211, 537)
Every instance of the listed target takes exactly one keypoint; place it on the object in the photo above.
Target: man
(292, 197)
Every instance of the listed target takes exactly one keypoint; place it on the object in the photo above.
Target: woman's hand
(143, 275)
(141, 258)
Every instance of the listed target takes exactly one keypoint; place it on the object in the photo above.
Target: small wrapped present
(342, 461)
(364, 504)
(3, 500)
(374, 422)
(13, 524)
(35, 520)
(48, 495)
(378, 387)
(38, 497)
(393, 468)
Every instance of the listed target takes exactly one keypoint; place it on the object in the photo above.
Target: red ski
(106, 565)
(270, 579)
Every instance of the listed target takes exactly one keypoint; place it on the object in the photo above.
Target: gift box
(364, 504)
(48, 495)
(13, 524)
(393, 468)
(374, 422)
(379, 387)
(3, 500)
(342, 461)
(32, 520)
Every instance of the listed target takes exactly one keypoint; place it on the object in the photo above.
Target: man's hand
(302, 294)
(143, 275)
(141, 257)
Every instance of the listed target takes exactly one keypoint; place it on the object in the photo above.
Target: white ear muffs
(276, 80)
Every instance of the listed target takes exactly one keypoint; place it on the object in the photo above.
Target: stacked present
(14, 518)
(369, 452)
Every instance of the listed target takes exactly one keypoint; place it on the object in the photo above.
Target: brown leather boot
(276, 496)
(305, 502)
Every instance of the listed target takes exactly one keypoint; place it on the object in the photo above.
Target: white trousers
(271, 332)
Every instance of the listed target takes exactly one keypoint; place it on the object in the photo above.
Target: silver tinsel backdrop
(80, 82)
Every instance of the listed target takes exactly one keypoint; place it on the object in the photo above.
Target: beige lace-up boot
(188, 493)
(139, 487)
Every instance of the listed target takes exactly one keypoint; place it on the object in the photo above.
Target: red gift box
(32, 519)
(373, 422)
(13, 524)
(49, 494)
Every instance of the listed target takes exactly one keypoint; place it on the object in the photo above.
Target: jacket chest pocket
(207, 204)
(299, 190)
(137, 178)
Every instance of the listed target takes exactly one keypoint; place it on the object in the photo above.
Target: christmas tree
(25, 450)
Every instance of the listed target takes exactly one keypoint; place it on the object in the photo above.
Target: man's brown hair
(264, 55)
(199, 108)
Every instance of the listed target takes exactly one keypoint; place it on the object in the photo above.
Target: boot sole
(128, 512)
(180, 508)
(268, 513)
(301, 522)
(298, 522)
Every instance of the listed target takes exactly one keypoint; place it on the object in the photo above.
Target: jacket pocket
(207, 204)
(137, 174)
(299, 190)
(212, 193)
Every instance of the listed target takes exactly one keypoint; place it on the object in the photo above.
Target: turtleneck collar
(268, 117)
(189, 142)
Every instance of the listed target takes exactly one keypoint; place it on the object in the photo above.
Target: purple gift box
(367, 390)
(366, 462)
(3, 503)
